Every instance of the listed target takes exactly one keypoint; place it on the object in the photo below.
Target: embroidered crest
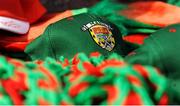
(102, 35)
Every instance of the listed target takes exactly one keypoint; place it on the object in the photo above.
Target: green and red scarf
(83, 80)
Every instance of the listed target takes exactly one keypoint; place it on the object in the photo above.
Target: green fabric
(67, 38)
(79, 11)
(174, 2)
(162, 49)
(110, 9)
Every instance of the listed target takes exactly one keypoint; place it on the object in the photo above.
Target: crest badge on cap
(101, 34)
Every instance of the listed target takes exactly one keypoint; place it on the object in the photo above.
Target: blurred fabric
(62, 5)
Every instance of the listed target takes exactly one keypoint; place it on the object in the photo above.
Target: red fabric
(112, 93)
(76, 89)
(133, 99)
(153, 12)
(164, 100)
(135, 38)
(27, 10)
(11, 42)
(11, 8)
(19, 84)
(32, 9)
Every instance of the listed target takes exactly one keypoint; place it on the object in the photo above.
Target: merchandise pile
(89, 52)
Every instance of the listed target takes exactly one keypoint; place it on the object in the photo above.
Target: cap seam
(51, 44)
(160, 49)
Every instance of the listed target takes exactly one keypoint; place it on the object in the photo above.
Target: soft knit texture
(80, 81)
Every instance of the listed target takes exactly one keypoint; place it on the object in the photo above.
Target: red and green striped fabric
(82, 80)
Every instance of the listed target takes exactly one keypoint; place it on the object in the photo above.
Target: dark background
(61, 5)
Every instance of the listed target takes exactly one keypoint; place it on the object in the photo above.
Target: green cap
(84, 33)
(162, 49)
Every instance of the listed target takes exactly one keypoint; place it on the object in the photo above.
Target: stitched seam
(160, 49)
(51, 44)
